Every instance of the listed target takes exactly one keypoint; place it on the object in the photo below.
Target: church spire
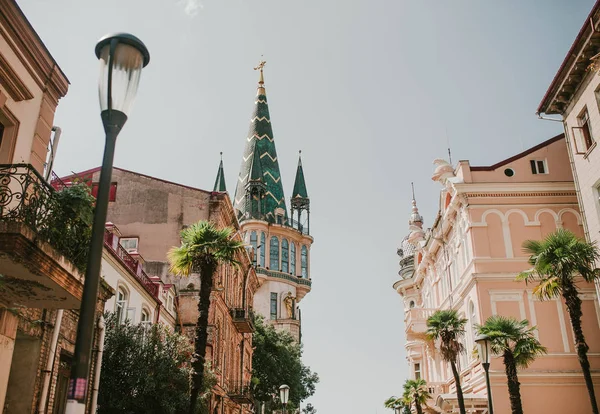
(260, 156)
(299, 184)
(220, 181)
(415, 218)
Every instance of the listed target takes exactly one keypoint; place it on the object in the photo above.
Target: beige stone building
(468, 261)
(574, 95)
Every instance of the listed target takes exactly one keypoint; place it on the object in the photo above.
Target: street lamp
(122, 57)
(284, 395)
(483, 345)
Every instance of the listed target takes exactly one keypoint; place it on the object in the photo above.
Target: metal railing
(131, 264)
(285, 276)
(241, 314)
(26, 197)
(287, 222)
(240, 389)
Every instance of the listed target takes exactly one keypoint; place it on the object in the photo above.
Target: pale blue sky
(366, 88)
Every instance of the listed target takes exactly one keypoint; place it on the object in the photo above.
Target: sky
(371, 91)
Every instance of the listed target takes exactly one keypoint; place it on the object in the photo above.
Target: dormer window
(129, 243)
(583, 137)
(538, 167)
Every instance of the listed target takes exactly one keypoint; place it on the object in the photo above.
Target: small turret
(300, 201)
(220, 181)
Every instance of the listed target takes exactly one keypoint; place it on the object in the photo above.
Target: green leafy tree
(68, 224)
(516, 343)
(203, 248)
(415, 392)
(448, 328)
(146, 371)
(558, 261)
(276, 361)
(309, 409)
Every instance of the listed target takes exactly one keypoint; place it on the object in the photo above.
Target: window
(585, 130)
(253, 242)
(273, 305)
(411, 304)
(274, 254)
(129, 243)
(263, 245)
(293, 258)
(304, 262)
(285, 256)
(170, 303)
(112, 195)
(145, 320)
(417, 368)
(538, 167)
(121, 305)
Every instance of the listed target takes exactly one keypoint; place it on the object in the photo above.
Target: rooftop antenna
(448, 142)
(413, 190)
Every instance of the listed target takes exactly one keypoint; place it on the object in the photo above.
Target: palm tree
(396, 403)
(415, 391)
(515, 341)
(203, 248)
(447, 327)
(557, 262)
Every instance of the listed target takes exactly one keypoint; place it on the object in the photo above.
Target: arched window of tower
(293, 258)
(285, 253)
(274, 254)
(304, 262)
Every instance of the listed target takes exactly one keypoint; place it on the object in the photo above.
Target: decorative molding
(527, 194)
(13, 84)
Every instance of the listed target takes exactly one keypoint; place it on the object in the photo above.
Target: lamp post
(122, 57)
(483, 345)
(284, 395)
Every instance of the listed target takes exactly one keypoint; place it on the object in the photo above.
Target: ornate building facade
(468, 261)
(280, 239)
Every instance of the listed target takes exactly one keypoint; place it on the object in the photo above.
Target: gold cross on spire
(260, 67)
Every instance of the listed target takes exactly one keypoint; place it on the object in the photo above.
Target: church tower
(280, 242)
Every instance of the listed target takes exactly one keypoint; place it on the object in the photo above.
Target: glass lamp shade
(483, 347)
(284, 393)
(122, 57)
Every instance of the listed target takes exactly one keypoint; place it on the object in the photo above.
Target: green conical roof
(260, 149)
(256, 171)
(299, 184)
(220, 181)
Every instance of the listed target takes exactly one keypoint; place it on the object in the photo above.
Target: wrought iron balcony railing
(240, 392)
(243, 319)
(26, 197)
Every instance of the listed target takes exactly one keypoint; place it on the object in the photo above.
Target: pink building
(468, 261)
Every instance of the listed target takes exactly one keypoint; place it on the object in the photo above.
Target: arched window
(285, 256)
(121, 304)
(293, 258)
(274, 254)
(411, 304)
(304, 262)
(253, 243)
(472, 318)
(263, 246)
(145, 319)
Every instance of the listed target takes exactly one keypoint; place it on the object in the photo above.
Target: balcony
(242, 319)
(36, 260)
(416, 320)
(239, 392)
(131, 264)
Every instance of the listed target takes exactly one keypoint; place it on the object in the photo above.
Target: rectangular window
(417, 371)
(273, 305)
(585, 128)
(538, 166)
(129, 243)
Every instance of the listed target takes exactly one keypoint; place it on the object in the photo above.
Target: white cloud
(191, 7)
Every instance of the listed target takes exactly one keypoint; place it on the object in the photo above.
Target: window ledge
(587, 154)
